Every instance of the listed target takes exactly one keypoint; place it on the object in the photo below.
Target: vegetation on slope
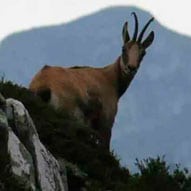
(97, 168)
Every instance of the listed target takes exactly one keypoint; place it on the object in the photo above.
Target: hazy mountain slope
(154, 115)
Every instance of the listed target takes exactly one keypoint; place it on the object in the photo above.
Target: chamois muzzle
(147, 42)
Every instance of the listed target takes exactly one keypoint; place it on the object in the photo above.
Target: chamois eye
(142, 53)
(123, 49)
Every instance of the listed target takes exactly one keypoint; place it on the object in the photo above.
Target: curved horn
(136, 26)
(144, 29)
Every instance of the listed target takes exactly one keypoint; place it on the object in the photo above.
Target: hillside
(76, 161)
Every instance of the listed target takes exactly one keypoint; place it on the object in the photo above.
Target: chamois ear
(125, 33)
(148, 41)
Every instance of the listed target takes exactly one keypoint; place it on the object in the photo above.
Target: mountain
(154, 114)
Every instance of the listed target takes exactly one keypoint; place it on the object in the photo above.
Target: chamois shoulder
(52, 69)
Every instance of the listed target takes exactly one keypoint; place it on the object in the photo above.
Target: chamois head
(134, 49)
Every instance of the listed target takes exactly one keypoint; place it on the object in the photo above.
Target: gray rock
(25, 162)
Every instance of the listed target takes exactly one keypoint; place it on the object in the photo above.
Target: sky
(18, 15)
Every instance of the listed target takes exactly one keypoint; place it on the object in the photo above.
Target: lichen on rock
(27, 164)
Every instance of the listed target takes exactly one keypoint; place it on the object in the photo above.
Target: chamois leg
(103, 130)
(105, 138)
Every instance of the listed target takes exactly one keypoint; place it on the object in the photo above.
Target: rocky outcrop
(25, 163)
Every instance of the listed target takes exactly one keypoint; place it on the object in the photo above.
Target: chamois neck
(124, 77)
(119, 76)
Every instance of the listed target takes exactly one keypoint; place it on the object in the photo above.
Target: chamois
(92, 94)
